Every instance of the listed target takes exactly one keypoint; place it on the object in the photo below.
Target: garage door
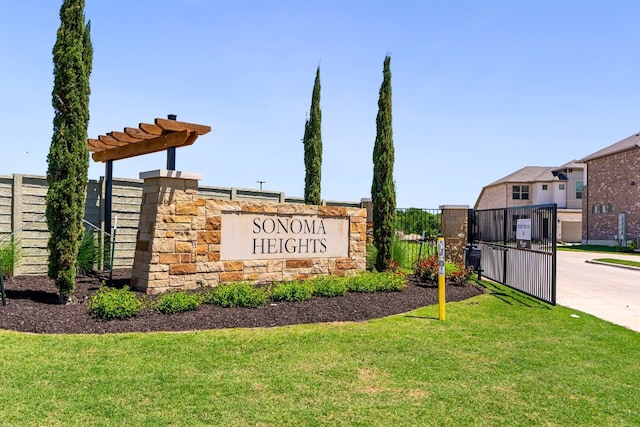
(571, 231)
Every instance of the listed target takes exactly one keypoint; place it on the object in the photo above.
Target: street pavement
(609, 292)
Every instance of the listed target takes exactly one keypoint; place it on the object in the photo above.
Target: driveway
(608, 292)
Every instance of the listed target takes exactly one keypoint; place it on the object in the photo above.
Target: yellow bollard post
(441, 278)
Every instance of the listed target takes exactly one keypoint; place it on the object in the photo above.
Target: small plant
(110, 303)
(400, 254)
(372, 253)
(88, 254)
(176, 302)
(241, 294)
(633, 245)
(296, 290)
(9, 255)
(328, 286)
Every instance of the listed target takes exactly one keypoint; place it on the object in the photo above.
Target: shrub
(361, 282)
(110, 303)
(88, 254)
(9, 255)
(376, 282)
(240, 294)
(328, 286)
(389, 281)
(427, 270)
(176, 302)
(292, 291)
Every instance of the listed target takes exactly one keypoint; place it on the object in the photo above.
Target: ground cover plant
(499, 359)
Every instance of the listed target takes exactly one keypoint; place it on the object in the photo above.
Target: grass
(598, 248)
(619, 261)
(499, 359)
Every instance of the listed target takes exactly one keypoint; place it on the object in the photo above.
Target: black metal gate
(518, 247)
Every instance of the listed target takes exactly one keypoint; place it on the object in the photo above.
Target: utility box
(472, 257)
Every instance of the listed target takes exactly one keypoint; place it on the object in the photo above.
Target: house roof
(528, 174)
(624, 145)
(573, 164)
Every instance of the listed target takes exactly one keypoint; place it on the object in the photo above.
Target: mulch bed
(32, 306)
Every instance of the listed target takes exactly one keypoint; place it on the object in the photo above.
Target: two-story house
(537, 185)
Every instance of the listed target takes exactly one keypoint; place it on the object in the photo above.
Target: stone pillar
(454, 230)
(167, 232)
(368, 205)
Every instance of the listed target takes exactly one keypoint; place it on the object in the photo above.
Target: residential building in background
(537, 185)
(611, 201)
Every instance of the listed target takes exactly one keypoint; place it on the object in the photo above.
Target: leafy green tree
(313, 147)
(68, 159)
(383, 194)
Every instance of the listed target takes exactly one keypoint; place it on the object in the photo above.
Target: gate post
(455, 231)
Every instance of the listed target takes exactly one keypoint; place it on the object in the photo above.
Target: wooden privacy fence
(22, 215)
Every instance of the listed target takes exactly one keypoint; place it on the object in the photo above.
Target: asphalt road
(608, 292)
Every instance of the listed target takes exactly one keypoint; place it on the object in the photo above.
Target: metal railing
(416, 231)
(527, 265)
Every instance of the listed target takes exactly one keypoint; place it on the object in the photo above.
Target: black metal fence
(518, 248)
(415, 234)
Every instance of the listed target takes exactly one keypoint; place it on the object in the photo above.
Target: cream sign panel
(263, 236)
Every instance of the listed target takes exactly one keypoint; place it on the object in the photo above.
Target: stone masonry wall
(179, 240)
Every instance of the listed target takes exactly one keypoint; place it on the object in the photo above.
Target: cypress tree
(383, 193)
(68, 159)
(313, 147)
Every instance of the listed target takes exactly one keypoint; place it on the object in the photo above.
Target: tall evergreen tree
(383, 194)
(68, 159)
(313, 147)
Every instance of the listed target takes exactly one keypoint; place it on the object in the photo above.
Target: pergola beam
(146, 138)
(174, 139)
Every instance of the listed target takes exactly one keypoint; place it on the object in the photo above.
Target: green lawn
(498, 359)
(597, 248)
(619, 261)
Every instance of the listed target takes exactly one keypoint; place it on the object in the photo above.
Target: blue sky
(480, 88)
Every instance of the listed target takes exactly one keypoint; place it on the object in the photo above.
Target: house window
(595, 209)
(544, 186)
(578, 189)
(611, 209)
(561, 186)
(521, 192)
(603, 208)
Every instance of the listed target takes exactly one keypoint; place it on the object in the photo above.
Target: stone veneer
(179, 239)
(454, 230)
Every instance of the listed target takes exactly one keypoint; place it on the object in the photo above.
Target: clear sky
(480, 88)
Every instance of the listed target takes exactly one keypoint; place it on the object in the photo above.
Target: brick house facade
(611, 202)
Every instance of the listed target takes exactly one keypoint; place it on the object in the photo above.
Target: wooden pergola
(147, 138)
(164, 134)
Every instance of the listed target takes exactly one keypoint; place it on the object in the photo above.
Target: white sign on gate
(523, 233)
(523, 229)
